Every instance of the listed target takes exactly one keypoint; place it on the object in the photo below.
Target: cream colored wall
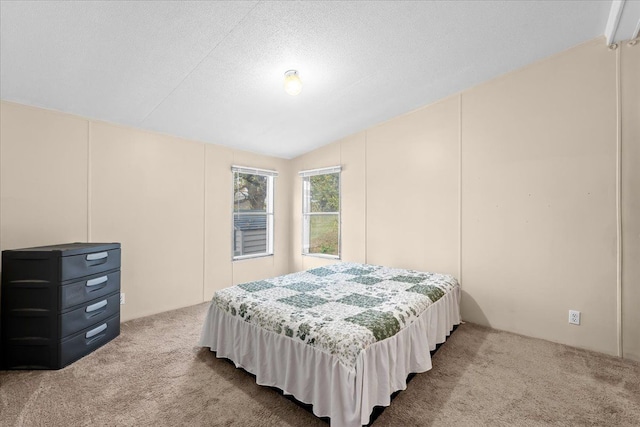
(539, 199)
(412, 190)
(147, 192)
(43, 177)
(384, 220)
(511, 186)
(354, 197)
(166, 199)
(218, 213)
(630, 102)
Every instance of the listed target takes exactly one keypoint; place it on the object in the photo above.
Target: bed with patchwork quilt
(342, 337)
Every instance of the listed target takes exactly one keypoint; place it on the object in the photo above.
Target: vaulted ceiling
(213, 71)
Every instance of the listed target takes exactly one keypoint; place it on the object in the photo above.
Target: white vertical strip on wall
(366, 198)
(305, 218)
(204, 221)
(89, 181)
(618, 203)
(460, 189)
(271, 236)
(340, 209)
(233, 233)
(340, 201)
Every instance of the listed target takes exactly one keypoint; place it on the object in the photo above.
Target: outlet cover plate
(574, 317)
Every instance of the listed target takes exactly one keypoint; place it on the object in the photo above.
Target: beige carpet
(155, 374)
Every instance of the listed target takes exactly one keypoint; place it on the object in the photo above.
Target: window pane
(252, 214)
(323, 234)
(325, 193)
(250, 192)
(250, 234)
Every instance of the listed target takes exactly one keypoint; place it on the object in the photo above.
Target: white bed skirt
(312, 376)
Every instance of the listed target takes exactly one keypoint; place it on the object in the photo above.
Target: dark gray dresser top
(68, 249)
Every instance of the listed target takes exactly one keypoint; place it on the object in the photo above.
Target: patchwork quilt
(340, 309)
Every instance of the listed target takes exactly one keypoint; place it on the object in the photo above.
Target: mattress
(342, 338)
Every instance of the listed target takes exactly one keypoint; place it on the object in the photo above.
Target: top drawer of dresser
(58, 263)
(89, 263)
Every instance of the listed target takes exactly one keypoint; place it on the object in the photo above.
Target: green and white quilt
(340, 309)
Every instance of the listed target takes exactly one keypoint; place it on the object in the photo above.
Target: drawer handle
(92, 333)
(96, 259)
(96, 306)
(97, 256)
(97, 281)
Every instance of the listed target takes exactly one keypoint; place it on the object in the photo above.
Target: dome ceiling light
(292, 83)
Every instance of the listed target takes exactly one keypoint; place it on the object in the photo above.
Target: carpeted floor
(155, 374)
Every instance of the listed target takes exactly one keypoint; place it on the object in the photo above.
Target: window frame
(269, 210)
(306, 204)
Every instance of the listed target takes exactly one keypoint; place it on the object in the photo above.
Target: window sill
(245, 257)
(323, 256)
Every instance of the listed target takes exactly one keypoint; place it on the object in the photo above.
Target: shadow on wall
(471, 311)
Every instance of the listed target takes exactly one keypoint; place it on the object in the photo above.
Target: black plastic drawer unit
(58, 303)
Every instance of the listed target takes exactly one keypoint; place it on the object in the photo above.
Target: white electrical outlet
(121, 298)
(574, 317)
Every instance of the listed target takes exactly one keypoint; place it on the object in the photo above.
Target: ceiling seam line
(198, 64)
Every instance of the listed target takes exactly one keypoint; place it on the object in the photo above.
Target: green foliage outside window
(323, 234)
(324, 227)
(325, 194)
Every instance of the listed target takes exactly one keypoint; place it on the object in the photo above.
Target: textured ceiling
(213, 71)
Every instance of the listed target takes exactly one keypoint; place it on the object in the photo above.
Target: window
(321, 212)
(252, 212)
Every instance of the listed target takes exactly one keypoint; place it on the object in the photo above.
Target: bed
(342, 338)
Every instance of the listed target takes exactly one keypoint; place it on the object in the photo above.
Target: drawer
(89, 339)
(30, 324)
(90, 263)
(89, 288)
(88, 314)
(29, 354)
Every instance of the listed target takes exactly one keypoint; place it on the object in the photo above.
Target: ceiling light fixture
(292, 83)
